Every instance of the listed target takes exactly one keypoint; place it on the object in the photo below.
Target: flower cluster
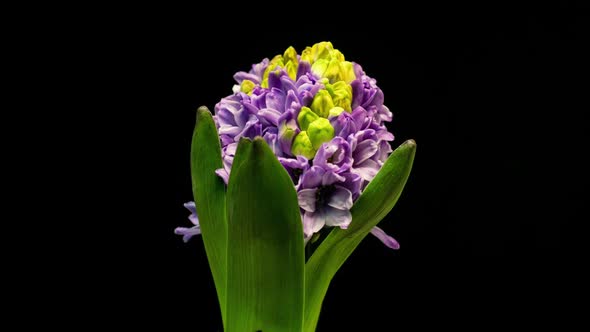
(323, 117)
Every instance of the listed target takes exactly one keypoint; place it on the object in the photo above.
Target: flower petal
(301, 162)
(187, 233)
(292, 101)
(385, 114)
(230, 149)
(287, 84)
(251, 129)
(353, 183)
(191, 207)
(341, 198)
(384, 135)
(334, 155)
(313, 177)
(357, 92)
(275, 100)
(223, 174)
(241, 76)
(386, 239)
(367, 170)
(364, 150)
(337, 217)
(307, 199)
(270, 115)
(303, 68)
(313, 222)
(331, 178)
(229, 130)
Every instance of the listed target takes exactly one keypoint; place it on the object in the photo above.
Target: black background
(485, 222)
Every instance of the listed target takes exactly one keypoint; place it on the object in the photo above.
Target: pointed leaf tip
(259, 145)
(410, 142)
(202, 109)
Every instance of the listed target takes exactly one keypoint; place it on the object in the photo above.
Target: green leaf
(376, 201)
(265, 244)
(209, 194)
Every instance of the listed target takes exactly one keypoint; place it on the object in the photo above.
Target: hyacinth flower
(291, 173)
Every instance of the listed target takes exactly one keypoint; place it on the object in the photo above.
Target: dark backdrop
(485, 222)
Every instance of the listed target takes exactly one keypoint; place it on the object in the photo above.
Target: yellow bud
(336, 111)
(341, 94)
(319, 67)
(306, 55)
(290, 55)
(336, 54)
(326, 62)
(347, 72)
(322, 50)
(332, 72)
(276, 60)
(247, 86)
(291, 69)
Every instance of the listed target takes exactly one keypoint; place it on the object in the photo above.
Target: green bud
(247, 86)
(336, 111)
(320, 131)
(302, 146)
(305, 117)
(322, 103)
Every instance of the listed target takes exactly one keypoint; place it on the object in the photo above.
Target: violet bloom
(325, 202)
(295, 168)
(187, 233)
(369, 96)
(334, 156)
(323, 118)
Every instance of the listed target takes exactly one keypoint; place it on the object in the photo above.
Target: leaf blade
(367, 211)
(265, 245)
(210, 198)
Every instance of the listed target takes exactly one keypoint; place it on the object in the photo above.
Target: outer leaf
(209, 194)
(376, 201)
(265, 245)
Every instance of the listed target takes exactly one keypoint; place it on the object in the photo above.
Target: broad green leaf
(376, 201)
(265, 244)
(209, 194)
